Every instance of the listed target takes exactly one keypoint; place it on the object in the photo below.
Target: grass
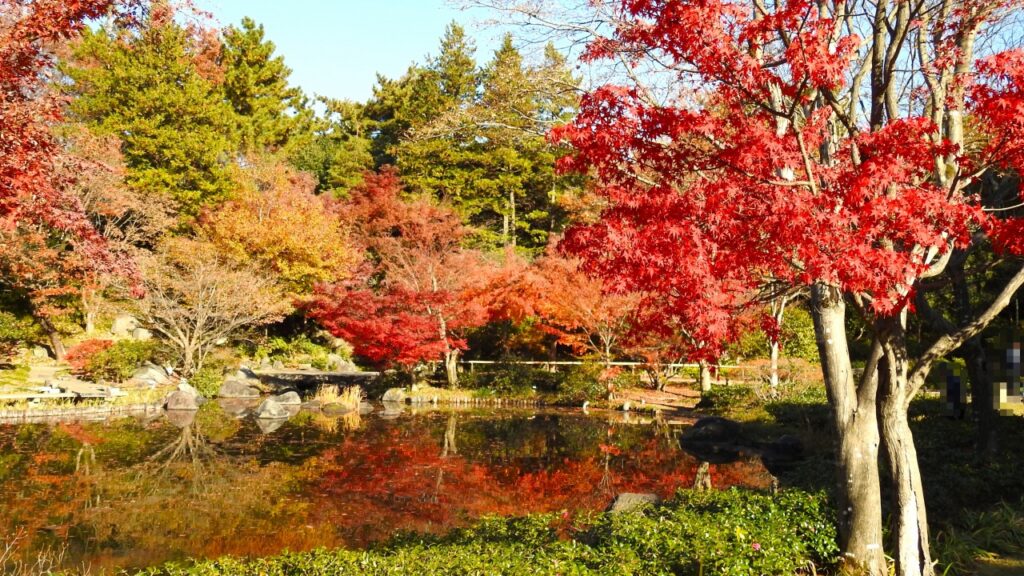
(349, 397)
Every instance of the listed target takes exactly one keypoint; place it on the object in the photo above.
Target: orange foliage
(276, 222)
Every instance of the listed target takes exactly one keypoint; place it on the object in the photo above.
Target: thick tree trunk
(857, 439)
(910, 521)
(451, 368)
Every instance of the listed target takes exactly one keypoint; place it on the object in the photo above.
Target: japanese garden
(680, 287)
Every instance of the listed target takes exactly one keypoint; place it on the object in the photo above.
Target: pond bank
(753, 533)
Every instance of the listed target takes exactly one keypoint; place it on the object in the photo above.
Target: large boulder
(713, 429)
(394, 395)
(40, 352)
(244, 373)
(337, 363)
(182, 400)
(629, 501)
(270, 409)
(289, 398)
(233, 388)
(141, 334)
(123, 325)
(150, 373)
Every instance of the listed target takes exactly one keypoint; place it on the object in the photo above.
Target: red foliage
(419, 291)
(387, 328)
(46, 241)
(80, 354)
(710, 196)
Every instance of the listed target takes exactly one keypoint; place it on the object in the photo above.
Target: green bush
(300, 349)
(733, 532)
(208, 380)
(581, 384)
(119, 361)
(797, 338)
(510, 378)
(16, 330)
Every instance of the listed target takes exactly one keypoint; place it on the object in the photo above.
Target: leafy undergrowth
(733, 532)
(982, 536)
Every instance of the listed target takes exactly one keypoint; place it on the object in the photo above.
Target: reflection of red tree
(401, 482)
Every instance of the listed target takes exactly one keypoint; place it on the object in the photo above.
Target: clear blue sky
(336, 47)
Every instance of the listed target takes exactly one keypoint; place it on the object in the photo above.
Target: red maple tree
(420, 290)
(783, 149)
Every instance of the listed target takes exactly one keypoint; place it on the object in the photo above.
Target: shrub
(80, 354)
(735, 533)
(583, 383)
(509, 378)
(117, 362)
(207, 380)
(16, 330)
(298, 350)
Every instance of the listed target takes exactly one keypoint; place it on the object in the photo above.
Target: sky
(336, 48)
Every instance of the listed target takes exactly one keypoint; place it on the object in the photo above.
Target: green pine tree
(268, 111)
(149, 89)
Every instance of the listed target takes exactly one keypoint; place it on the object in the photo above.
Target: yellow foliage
(275, 220)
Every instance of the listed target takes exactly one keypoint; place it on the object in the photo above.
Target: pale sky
(336, 47)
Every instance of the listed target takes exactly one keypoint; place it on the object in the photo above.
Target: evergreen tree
(154, 91)
(268, 111)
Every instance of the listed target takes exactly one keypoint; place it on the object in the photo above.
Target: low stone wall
(76, 414)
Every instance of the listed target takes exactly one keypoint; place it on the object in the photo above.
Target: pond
(131, 493)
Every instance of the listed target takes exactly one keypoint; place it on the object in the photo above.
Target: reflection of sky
(336, 47)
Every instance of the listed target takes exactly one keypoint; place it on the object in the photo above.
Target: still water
(132, 493)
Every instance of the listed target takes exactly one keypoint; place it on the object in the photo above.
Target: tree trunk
(89, 306)
(910, 521)
(704, 375)
(857, 438)
(774, 377)
(56, 343)
(451, 367)
(982, 399)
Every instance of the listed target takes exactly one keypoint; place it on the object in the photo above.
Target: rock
(181, 400)
(272, 410)
(265, 363)
(394, 395)
(150, 373)
(289, 398)
(123, 325)
(233, 388)
(627, 406)
(40, 352)
(278, 365)
(141, 334)
(365, 408)
(712, 429)
(336, 363)
(245, 373)
(335, 408)
(629, 501)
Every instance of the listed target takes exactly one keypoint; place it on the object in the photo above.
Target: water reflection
(133, 493)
